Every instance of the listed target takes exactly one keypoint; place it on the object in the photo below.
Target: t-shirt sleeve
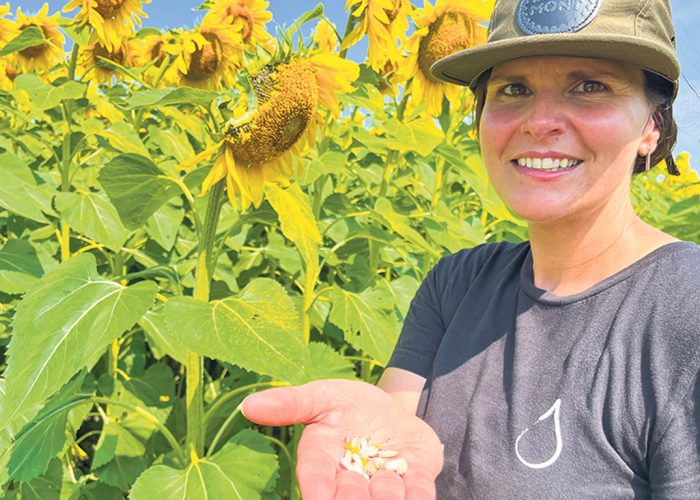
(422, 330)
(674, 467)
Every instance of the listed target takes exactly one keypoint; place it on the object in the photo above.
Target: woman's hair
(659, 93)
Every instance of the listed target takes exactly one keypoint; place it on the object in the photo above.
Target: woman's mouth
(547, 164)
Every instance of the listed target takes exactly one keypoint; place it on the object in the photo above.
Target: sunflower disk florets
(367, 458)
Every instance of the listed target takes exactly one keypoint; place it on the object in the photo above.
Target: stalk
(194, 366)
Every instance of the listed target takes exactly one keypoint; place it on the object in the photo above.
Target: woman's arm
(403, 386)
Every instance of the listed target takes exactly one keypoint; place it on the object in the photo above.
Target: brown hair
(660, 93)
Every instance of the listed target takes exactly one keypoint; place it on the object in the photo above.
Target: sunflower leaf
(136, 187)
(19, 266)
(246, 467)
(297, 222)
(29, 37)
(170, 96)
(62, 325)
(91, 214)
(257, 330)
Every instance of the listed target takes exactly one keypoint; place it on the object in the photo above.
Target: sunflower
(8, 29)
(113, 21)
(207, 58)
(385, 22)
(8, 73)
(449, 26)
(91, 68)
(44, 56)
(325, 36)
(685, 185)
(248, 17)
(262, 145)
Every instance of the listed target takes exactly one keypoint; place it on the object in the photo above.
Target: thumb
(286, 405)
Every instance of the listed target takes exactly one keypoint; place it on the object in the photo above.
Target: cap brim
(464, 67)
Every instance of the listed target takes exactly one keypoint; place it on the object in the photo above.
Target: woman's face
(589, 116)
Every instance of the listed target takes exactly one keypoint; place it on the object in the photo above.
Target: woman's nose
(544, 117)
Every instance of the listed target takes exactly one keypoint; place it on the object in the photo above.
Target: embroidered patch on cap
(538, 17)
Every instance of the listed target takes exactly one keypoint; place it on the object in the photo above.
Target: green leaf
(28, 37)
(258, 330)
(366, 328)
(399, 224)
(170, 96)
(122, 472)
(94, 216)
(136, 187)
(327, 363)
(245, 468)
(42, 438)
(165, 223)
(44, 96)
(19, 266)
(160, 339)
(19, 192)
(47, 487)
(297, 222)
(124, 138)
(64, 324)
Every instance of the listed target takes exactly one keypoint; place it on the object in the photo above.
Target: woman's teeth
(547, 163)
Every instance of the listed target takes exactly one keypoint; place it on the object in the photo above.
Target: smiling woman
(557, 367)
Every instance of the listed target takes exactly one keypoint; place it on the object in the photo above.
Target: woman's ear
(650, 136)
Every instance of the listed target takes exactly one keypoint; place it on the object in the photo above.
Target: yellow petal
(204, 155)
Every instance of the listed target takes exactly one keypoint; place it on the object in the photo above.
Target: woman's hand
(336, 410)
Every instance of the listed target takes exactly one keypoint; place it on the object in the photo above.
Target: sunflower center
(243, 19)
(453, 31)
(205, 60)
(109, 8)
(117, 56)
(391, 14)
(11, 73)
(278, 124)
(157, 53)
(37, 50)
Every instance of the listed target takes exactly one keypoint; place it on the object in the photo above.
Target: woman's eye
(590, 86)
(514, 90)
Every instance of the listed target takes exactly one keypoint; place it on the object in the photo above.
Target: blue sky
(175, 13)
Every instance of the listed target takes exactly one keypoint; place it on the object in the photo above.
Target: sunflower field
(188, 216)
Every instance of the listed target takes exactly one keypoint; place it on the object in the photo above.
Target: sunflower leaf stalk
(194, 367)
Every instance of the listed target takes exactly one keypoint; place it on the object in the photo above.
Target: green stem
(293, 489)
(236, 392)
(73, 61)
(221, 430)
(194, 365)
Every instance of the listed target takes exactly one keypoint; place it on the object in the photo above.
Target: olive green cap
(638, 32)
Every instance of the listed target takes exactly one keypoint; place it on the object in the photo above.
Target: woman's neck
(571, 256)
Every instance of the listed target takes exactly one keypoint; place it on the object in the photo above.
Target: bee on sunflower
(385, 23)
(112, 21)
(248, 17)
(91, 67)
(264, 144)
(447, 27)
(40, 58)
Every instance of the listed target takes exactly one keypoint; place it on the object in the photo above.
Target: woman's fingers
(387, 485)
(284, 405)
(419, 485)
(350, 486)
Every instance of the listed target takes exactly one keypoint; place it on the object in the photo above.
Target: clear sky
(176, 13)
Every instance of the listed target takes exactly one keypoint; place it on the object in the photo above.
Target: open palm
(334, 410)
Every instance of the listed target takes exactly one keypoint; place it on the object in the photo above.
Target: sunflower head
(92, 67)
(8, 29)
(247, 17)
(451, 32)
(112, 21)
(44, 56)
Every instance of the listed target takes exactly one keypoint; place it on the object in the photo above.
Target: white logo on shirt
(557, 431)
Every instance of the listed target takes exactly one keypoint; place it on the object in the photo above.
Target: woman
(565, 366)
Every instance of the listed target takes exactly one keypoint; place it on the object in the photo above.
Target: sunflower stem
(194, 367)
(73, 61)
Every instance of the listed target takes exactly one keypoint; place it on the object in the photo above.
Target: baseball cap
(638, 32)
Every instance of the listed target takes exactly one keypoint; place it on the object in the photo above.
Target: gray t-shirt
(593, 395)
